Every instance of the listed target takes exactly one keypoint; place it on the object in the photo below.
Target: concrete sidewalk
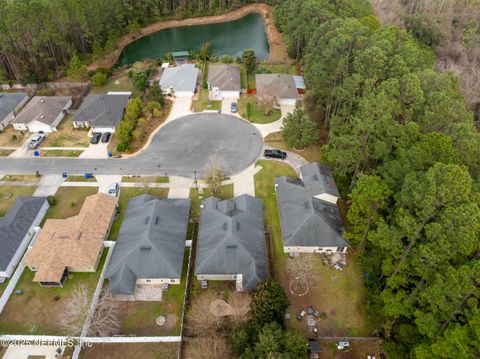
(268, 128)
(243, 182)
(180, 187)
(48, 185)
(104, 182)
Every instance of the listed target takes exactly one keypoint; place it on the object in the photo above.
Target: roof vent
(42, 116)
(231, 246)
(157, 219)
(79, 235)
(238, 226)
(42, 100)
(145, 248)
(147, 220)
(307, 205)
(225, 226)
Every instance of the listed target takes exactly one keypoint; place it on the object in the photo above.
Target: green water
(227, 38)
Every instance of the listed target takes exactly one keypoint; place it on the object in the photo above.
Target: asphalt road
(179, 148)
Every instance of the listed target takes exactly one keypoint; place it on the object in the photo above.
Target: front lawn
(8, 195)
(131, 351)
(145, 179)
(138, 317)
(257, 114)
(69, 201)
(6, 153)
(60, 153)
(312, 153)
(67, 135)
(125, 194)
(226, 192)
(80, 179)
(38, 310)
(204, 103)
(15, 178)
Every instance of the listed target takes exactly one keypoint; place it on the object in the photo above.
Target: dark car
(275, 154)
(106, 137)
(95, 138)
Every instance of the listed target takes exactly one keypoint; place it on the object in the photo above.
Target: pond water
(226, 38)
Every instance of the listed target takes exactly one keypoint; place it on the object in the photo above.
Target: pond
(226, 38)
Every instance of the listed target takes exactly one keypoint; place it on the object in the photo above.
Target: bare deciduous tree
(104, 320)
(267, 104)
(214, 172)
(212, 347)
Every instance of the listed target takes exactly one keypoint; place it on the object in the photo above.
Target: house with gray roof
(224, 81)
(309, 216)
(179, 81)
(42, 114)
(231, 242)
(10, 103)
(150, 247)
(101, 112)
(17, 229)
(280, 87)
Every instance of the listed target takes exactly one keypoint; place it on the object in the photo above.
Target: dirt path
(278, 51)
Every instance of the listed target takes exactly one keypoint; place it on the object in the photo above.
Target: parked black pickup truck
(275, 154)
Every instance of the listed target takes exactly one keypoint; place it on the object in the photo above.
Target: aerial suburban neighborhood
(239, 179)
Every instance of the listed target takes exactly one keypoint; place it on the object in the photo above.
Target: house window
(340, 249)
(172, 280)
(148, 280)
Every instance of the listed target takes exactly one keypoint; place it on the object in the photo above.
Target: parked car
(95, 138)
(343, 346)
(233, 107)
(35, 142)
(275, 154)
(114, 189)
(106, 137)
(301, 314)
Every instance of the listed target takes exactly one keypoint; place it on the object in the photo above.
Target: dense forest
(39, 37)
(405, 152)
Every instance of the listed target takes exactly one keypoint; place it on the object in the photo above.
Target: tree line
(405, 152)
(38, 38)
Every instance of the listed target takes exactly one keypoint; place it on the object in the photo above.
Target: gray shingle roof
(225, 77)
(151, 242)
(281, 86)
(232, 240)
(44, 109)
(181, 78)
(15, 225)
(102, 110)
(305, 219)
(9, 101)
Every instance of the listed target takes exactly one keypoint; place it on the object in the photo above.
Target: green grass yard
(145, 179)
(204, 103)
(312, 153)
(60, 153)
(8, 195)
(38, 310)
(80, 179)
(226, 192)
(138, 318)
(131, 351)
(257, 110)
(28, 178)
(119, 81)
(67, 136)
(125, 194)
(69, 201)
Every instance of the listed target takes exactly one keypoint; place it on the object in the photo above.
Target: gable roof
(9, 102)
(181, 78)
(281, 86)
(74, 241)
(15, 225)
(305, 219)
(43, 109)
(102, 110)
(225, 77)
(231, 239)
(151, 242)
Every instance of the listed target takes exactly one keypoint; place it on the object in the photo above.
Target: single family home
(149, 249)
(73, 244)
(231, 242)
(280, 87)
(179, 81)
(17, 228)
(101, 112)
(10, 103)
(224, 82)
(309, 216)
(42, 114)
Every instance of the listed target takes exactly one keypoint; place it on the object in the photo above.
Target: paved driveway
(179, 148)
(96, 151)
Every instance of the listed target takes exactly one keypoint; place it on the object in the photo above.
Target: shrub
(122, 146)
(205, 84)
(99, 79)
(226, 59)
(52, 201)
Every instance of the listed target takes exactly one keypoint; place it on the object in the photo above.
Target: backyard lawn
(8, 195)
(338, 294)
(203, 103)
(131, 351)
(38, 310)
(266, 68)
(11, 138)
(69, 201)
(119, 81)
(125, 194)
(257, 114)
(138, 318)
(312, 153)
(67, 136)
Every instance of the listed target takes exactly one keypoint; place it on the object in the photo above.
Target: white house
(179, 81)
(42, 114)
(224, 82)
(281, 87)
(10, 103)
(309, 216)
(17, 228)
